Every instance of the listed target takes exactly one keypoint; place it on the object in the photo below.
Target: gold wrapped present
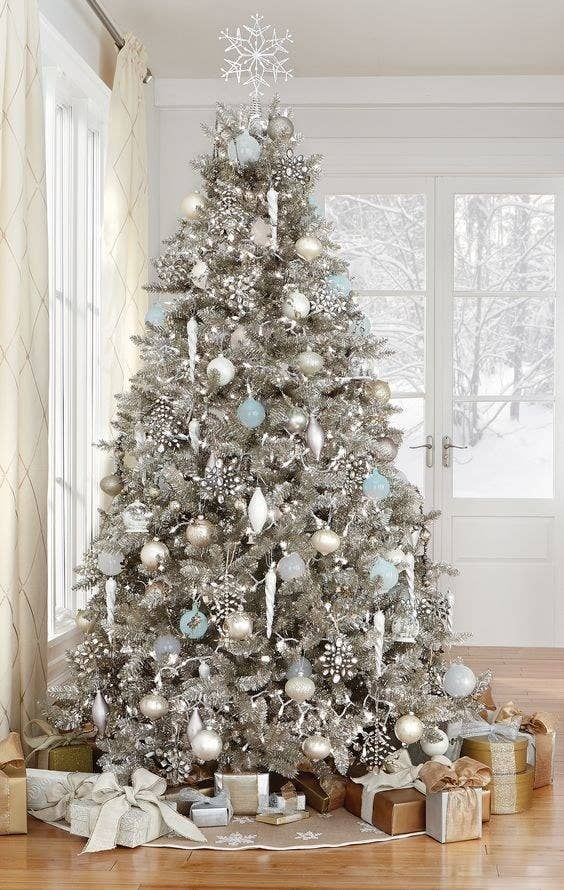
(69, 752)
(248, 791)
(454, 799)
(499, 746)
(512, 793)
(13, 810)
(542, 731)
(324, 794)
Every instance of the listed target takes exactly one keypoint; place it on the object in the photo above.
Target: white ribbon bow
(145, 792)
(59, 795)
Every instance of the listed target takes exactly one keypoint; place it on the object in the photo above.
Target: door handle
(447, 447)
(430, 449)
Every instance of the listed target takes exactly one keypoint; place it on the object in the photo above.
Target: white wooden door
(464, 275)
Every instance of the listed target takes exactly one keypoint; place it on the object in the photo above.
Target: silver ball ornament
(459, 680)
(308, 247)
(192, 205)
(296, 306)
(112, 484)
(280, 128)
(326, 541)
(300, 688)
(238, 626)
(207, 745)
(154, 554)
(386, 449)
(297, 420)
(201, 533)
(408, 729)
(316, 747)
(310, 363)
(153, 706)
(437, 747)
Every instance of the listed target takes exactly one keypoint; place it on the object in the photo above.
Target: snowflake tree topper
(254, 55)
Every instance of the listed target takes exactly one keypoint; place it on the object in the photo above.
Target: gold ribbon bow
(60, 793)
(539, 723)
(11, 757)
(464, 773)
(52, 738)
(509, 713)
(398, 772)
(145, 792)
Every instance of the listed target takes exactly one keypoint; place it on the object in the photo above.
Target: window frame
(71, 86)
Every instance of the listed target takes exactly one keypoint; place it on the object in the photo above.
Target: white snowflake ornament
(256, 54)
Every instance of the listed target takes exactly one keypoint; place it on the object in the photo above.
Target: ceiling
(357, 37)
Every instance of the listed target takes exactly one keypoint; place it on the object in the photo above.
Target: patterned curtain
(124, 300)
(24, 368)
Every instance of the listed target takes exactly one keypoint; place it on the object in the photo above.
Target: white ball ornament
(326, 541)
(438, 746)
(316, 747)
(153, 706)
(296, 306)
(207, 745)
(408, 729)
(300, 688)
(459, 680)
(192, 205)
(310, 363)
(308, 247)
(261, 232)
(291, 566)
(154, 554)
(222, 368)
(238, 626)
(297, 420)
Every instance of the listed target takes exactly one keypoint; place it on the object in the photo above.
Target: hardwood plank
(521, 852)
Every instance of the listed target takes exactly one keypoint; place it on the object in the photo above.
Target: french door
(464, 277)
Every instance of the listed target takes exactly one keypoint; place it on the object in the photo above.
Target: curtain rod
(112, 30)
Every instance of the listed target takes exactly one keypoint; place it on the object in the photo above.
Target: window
(76, 105)
(383, 237)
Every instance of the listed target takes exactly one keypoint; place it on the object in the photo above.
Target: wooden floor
(515, 852)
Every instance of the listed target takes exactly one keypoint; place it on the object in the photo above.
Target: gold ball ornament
(83, 623)
(377, 390)
(206, 745)
(153, 555)
(300, 688)
(326, 541)
(316, 747)
(153, 706)
(408, 729)
(112, 484)
(201, 533)
(238, 626)
(308, 247)
(192, 205)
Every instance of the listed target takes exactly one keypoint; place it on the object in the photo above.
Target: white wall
(80, 27)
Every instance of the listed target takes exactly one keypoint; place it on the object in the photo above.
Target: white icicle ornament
(195, 725)
(257, 511)
(192, 331)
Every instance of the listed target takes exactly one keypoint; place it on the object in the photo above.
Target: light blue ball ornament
(167, 644)
(316, 205)
(193, 623)
(155, 315)
(340, 283)
(244, 150)
(375, 486)
(251, 413)
(301, 666)
(386, 572)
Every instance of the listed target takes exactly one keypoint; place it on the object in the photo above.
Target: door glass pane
(401, 320)
(503, 346)
(382, 237)
(411, 422)
(504, 242)
(509, 449)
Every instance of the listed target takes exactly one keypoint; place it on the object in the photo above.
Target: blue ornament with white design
(155, 315)
(244, 150)
(384, 571)
(251, 413)
(193, 623)
(376, 486)
(340, 283)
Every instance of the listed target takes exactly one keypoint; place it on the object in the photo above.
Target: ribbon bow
(464, 773)
(540, 723)
(145, 792)
(399, 772)
(499, 732)
(52, 738)
(11, 753)
(509, 713)
(60, 793)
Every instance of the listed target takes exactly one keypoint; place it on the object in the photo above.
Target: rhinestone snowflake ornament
(255, 54)
(338, 660)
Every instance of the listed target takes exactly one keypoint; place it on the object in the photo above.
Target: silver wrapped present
(454, 815)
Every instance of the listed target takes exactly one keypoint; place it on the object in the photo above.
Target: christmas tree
(263, 595)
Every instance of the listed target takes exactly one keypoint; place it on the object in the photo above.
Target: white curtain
(124, 300)
(24, 368)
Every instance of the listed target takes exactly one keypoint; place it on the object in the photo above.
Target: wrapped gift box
(183, 795)
(512, 793)
(67, 758)
(136, 826)
(454, 815)
(13, 809)
(322, 797)
(395, 811)
(502, 755)
(486, 804)
(249, 792)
